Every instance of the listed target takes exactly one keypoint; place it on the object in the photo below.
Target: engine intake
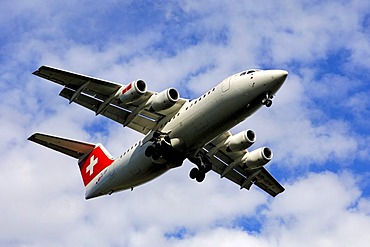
(164, 100)
(257, 158)
(133, 91)
(240, 141)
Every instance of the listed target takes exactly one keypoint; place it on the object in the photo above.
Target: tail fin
(92, 159)
(93, 163)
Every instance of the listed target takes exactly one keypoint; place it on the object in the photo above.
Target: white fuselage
(198, 122)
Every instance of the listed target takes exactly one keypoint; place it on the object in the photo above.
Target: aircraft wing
(228, 165)
(100, 96)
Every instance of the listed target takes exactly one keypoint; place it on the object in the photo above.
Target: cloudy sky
(318, 126)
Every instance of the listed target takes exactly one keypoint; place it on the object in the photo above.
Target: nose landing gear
(267, 100)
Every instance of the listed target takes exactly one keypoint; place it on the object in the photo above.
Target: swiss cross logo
(90, 167)
(94, 163)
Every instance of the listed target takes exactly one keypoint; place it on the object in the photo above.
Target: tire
(149, 151)
(156, 156)
(193, 173)
(201, 176)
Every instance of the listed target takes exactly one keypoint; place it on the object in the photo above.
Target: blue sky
(317, 127)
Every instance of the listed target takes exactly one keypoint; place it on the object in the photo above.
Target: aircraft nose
(274, 79)
(279, 75)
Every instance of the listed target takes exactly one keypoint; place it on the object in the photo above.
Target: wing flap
(218, 166)
(72, 148)
(139, 123)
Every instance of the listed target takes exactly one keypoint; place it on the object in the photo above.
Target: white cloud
(320, 210)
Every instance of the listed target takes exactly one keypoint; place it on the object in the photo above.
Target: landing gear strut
(204, 165)
(267, 100)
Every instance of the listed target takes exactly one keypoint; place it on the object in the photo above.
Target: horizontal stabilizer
(75, 149)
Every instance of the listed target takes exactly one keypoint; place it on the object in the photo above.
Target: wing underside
(229, 165)
(100, 96)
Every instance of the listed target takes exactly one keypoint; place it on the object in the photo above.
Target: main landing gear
(267, 100)
(161, 151)
(152, 151)
(160, 147)
(204, 165)
(197, 174)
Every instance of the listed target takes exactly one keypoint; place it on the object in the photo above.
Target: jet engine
(257, 158)
(240, 141)
(164, 100)
(133, 91)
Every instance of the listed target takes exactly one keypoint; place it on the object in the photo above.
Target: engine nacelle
(164, 100)
(240, 141)
(257, 158)
(133, 91)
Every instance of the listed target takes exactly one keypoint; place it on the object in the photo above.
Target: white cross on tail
(90, 167)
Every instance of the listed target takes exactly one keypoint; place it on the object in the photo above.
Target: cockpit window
(251, 71)
(243, 73)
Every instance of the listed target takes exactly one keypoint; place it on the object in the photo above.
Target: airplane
(174, 129)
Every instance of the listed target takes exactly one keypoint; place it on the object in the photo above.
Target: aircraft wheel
(149, 151)
(156, 156)
(200, 177)
(193, 173)
(268, 103)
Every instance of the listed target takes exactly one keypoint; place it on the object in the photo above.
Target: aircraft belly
(138, 172)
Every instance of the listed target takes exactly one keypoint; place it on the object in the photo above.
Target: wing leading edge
(100, 96)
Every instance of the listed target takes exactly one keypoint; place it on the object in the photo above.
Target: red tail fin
(93, 163)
